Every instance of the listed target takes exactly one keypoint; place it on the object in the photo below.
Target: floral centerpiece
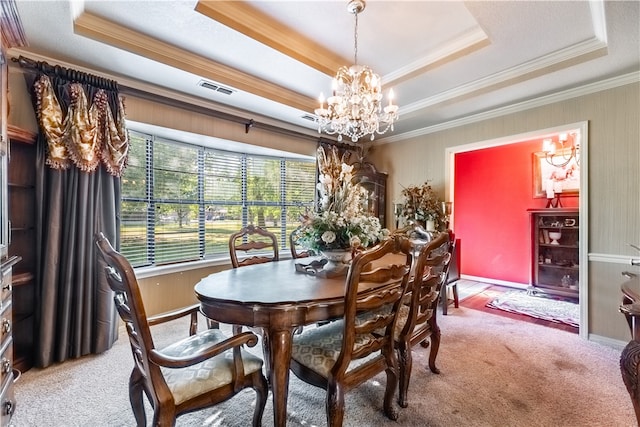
(422, 204)
(339, 221)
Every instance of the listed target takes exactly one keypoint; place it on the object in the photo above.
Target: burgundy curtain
(82, 150)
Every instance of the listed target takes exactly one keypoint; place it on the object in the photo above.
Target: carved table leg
(277, 345)
(629, 365)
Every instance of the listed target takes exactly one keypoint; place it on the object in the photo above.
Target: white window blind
(180, 202)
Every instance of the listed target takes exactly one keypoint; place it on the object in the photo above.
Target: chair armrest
(246, 338)
(173, 315)
(630, 309)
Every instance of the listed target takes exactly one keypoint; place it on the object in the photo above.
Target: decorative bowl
(555, 236)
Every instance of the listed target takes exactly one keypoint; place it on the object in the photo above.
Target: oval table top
(272, 283)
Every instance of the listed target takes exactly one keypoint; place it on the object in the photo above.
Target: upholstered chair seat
(191, 381)
(319, 348)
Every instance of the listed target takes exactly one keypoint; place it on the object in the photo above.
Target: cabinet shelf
(564, 267)
(19, 278)
(549, 245)
(15, 185)
(22, 228)
(557, 290)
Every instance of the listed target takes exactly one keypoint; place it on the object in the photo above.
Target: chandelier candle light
(562, 157)
(355, 107)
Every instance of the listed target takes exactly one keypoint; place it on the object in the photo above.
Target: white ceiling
(447, 61)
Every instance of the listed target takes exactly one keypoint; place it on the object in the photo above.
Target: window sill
(146, 272)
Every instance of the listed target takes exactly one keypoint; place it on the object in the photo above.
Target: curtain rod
(66, 73)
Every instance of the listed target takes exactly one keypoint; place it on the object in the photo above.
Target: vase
(338, 261)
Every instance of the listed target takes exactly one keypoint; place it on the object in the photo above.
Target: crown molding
(562, 58)
(521, 106)
(470, 41)
(11, 29)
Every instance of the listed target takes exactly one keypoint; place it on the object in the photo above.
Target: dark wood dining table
(275, 297)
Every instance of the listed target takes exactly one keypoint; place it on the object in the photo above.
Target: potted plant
(340, 224)
(422, 204)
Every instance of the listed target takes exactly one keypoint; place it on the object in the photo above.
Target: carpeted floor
(495, 371)
(541, 307)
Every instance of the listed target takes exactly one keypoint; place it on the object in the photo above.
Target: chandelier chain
(355, 41)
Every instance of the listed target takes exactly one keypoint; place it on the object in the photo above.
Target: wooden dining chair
(417, 316)
(296, 251)
(252, 245)
(345, 353)
(194, 373)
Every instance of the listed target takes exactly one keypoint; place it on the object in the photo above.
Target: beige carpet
(495, 372)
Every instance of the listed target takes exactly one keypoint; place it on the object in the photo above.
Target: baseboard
(608, 342)
(514, 285)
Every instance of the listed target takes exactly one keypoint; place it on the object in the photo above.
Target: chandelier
(559, 154)
(355, 107)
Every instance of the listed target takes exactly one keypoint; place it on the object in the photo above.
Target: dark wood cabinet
(21, 201)
(555, 251)
(11, 36)
(375, 183)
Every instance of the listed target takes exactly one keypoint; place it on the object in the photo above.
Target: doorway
(489, 221)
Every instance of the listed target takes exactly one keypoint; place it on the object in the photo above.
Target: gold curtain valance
(86, 133)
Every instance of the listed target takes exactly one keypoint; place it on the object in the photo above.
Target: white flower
(328, 237)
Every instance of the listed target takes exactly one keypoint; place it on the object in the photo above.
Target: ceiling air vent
(215, 87)
(309, 117)
(224, 90)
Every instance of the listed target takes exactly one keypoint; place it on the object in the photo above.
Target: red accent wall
(493, 190)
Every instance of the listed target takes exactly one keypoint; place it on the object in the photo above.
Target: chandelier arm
(551, 157)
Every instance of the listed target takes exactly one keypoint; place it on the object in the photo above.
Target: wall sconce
(562, 155)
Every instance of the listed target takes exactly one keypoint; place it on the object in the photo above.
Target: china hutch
(555, 251)
(375, 183)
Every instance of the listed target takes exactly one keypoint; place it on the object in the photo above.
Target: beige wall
(614, 179)
(168, 292)
(154, 113)
(614, 176)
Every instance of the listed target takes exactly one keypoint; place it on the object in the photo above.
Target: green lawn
(174, 243)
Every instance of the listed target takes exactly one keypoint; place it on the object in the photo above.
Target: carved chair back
(252, 245)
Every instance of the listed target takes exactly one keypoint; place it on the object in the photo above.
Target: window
(180, 202)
